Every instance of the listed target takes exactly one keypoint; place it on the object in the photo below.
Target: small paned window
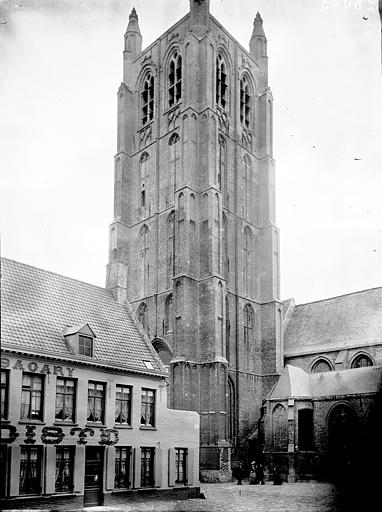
(175, 80)
(221, 82)
(32, 397)
(361, 361)
(85, 346)
(96, 402)
(4, 394)
(30, 470)
(64, 468)
(65, 399)
(181, 465)
(305, 429)
(245, 103)
(148, 408)
(123, 405)
(148, 99)
(122, 467)
(147, 467)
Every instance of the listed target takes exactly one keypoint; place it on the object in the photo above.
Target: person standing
(252, 474)
(260, 474)
(240, 473)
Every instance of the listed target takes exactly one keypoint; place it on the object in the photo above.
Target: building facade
(194, 234)
(84, 418)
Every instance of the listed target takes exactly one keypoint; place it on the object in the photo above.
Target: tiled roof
(295, 382)
(336, 323)
(36, 306)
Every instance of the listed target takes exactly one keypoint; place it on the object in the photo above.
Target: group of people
(256, 475)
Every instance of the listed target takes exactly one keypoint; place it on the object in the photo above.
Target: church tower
(193, 243)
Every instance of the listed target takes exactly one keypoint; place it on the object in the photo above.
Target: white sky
(61, 65)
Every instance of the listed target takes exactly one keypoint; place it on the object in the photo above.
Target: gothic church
(194, 245)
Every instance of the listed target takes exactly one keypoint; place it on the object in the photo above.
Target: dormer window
(85, 346)
(80, 339)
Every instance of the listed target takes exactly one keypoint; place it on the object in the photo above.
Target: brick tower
(193, 243)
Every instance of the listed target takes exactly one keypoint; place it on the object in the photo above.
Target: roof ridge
(2, 258)
(339, 296)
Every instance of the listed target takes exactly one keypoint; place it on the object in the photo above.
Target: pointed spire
(133, 38)
(258, 42)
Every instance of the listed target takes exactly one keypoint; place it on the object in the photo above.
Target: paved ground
(300, 497)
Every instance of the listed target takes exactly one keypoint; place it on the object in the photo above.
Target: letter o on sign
(33, 366)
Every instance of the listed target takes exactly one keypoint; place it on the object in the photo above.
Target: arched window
(175, 80)
(168, 315)
(322, 365)
(142, 316)
(225, 248)
(247, 188)
(231, 410)
(245, 102)
(227, 329)
(279, 428)
(192, 233)
(247, 261)
(248, 328)
(361, 361)
(143, 164)
(220, 315)
(174, 165)
(221, 181)
(170, 249)
(221, 82)
(145, 267)
(147, 98)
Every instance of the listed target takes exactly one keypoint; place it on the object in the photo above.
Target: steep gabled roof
(336, 323)
(37, 305)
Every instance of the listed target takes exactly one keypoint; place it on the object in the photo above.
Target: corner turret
(133, 38)
(258, 42)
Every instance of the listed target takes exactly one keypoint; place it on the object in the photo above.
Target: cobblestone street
(300, 497)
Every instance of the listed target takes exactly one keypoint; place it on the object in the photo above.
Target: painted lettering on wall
(34, 367)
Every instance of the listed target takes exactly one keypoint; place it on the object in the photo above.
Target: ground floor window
(30, 470)
(181, 465)
(147, 467)
(64, 468)
(122, 467)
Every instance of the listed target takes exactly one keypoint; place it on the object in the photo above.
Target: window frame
(33, 394)
(147, 478)
(182, 463)
(4, 407)
(38, 483)
(94, 398)
(85, 345)
(128, 421)
(69, 461)
(359, 357)
(246, 102)
(148, 408)
(123, 483)
(65, 394)
(147, 98)
(222, 86)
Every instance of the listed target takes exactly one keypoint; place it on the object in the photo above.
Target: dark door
(93, 476)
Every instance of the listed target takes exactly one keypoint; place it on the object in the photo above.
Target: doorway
(93, 495)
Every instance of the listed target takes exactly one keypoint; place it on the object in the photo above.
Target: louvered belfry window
(221, 82)
(148, 99)
(175, 80)
(245, 103)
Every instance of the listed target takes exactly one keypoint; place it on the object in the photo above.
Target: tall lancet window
(247, 187)
(175, 80)
(145, 265)
(174, 166)
(222, 171)
(247, 261)
(245, 102)
(225, 248)
(170, 249)
(248, 329)
(143, 164)
(142, 317)
(147, 98)
(168, 314)
(221, 82)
